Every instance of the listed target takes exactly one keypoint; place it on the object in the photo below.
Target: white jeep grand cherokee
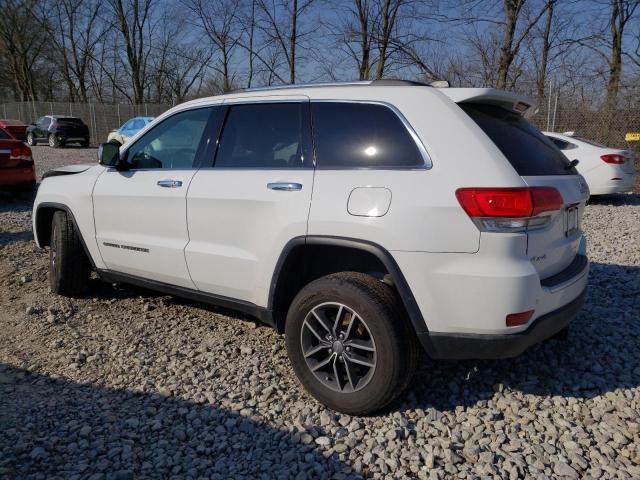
(362, 220)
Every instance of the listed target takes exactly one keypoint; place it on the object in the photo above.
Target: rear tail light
(509, 209)
(22, 152)
(516, 319)
(613, 158)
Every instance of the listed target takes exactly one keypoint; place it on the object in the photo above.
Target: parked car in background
(439, 217)
(17, 128)
(17, 170)
(606, 170)
(128, 129)
(58, 131)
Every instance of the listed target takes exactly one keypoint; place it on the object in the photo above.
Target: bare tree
(218, 19)
(134, 22)
(283, 34)
(21, 44)
(621, 13)
(512, 39)
(179, 61)
(74, 28)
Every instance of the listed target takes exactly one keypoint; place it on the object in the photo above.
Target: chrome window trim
(426, 158)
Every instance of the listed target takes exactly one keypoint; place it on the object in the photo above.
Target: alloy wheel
(338, 347)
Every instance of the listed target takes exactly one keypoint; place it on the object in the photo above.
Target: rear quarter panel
(424, 215)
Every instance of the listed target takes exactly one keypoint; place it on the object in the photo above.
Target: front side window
(268, 135)
(43, 122)
(173, 143)
(362, 135)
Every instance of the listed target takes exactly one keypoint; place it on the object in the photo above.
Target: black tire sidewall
(378, 320)
(56, 248)
(53, 141)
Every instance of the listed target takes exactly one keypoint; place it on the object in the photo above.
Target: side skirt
(263, 314)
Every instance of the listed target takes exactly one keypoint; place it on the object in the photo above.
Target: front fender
(73, 194)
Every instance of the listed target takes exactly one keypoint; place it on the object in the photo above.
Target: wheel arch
(42, 226)
(304, 259)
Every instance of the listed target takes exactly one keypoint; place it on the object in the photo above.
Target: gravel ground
(129, 383)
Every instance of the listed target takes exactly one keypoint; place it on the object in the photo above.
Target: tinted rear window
(4, 135)
(527, 149)
(69, 121)
(362, 135)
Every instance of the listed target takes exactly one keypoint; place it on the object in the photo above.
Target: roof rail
(379, 83)
(300, 85)
(391, 82)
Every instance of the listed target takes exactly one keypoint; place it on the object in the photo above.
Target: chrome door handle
(170, 183)
(284, 186)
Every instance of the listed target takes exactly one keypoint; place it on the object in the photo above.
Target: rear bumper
(602, 184)
(481, 346)
(17, 177)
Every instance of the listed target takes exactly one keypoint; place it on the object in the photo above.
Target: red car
(16, 128)
(17, 170)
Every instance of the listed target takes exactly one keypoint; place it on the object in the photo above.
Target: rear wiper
(572, 164)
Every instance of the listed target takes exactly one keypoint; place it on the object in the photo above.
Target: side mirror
(109, 154)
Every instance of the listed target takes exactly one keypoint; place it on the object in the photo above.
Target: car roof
(346, 90)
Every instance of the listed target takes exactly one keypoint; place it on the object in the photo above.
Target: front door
(140, 213)
(256, 197)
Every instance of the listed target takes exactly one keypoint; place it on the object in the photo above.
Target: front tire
(69, 269)
(31, 140)
(53, 141)
(350, 342)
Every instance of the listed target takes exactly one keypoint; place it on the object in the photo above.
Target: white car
(128, 129)
(606, 170)
(361, 220)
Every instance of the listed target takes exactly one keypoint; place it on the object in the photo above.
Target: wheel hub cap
(337, 347)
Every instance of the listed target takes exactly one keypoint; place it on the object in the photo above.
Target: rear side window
(527, 149)
(362, 135)
(268, 135)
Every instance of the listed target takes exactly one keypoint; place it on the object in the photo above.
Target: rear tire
(69, 269)
(31, 140)
(375, 330)
(53, 141)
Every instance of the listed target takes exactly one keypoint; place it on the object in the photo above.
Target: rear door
(244, 209)
(540, 163)
(140, 213)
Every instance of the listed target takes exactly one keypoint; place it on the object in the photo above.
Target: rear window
(4, 135)
(69, 121)
(527, 149)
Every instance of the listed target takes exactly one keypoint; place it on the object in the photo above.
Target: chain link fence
(101, 118)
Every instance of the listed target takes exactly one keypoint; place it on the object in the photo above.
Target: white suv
(362, 220)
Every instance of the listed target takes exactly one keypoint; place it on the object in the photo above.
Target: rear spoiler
(509, 100)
